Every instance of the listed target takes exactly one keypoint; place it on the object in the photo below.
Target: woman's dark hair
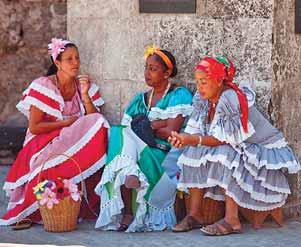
(53, 69)
(172, 59)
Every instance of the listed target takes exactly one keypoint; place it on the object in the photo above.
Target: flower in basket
(50, 193)
(48, 198)
(40, 188)
(60, 190)
(74, 193)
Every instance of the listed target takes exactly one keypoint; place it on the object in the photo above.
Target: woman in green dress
(136, 193)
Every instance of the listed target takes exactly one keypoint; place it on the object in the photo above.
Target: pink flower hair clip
(56, 47)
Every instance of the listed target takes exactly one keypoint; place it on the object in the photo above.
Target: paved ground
(270, 235)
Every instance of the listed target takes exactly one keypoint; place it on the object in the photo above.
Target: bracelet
(200, 141)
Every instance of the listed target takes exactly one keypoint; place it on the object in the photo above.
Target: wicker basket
(63, 216)
(210, 210)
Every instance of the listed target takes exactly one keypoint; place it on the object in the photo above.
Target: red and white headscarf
(221, 68)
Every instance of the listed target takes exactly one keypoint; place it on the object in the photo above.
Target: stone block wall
(111, 36)
(26, 27)
(286, 90)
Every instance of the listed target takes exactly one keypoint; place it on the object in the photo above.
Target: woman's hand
(84, 82)
(69, 121)
(181, 140)
(38, 125)
(168, 125)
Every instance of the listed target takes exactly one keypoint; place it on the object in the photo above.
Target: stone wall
(111, 36)
(26, 27)
(286, 90)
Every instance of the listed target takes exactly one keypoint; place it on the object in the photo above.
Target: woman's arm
(158, 124)
(171, 124)
(37, 125)
(88, 104)
(85, 83)
(183, 139)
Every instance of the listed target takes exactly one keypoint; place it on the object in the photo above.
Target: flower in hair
(56, 47)
(151, 50)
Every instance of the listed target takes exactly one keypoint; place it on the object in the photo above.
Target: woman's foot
(187, 224)
(22, 224)
(221, 228)
(127, 219)
(132, 182)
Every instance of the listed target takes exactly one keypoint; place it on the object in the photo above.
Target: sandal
(220, 228)
(126, 221)
(187, 224)
(22, 224)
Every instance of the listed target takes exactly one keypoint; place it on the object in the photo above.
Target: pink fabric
(57, 46)
(69, 136)
(88, 151)
(71, 108)
(77, 140)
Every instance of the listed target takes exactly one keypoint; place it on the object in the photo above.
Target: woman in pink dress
(63, 110)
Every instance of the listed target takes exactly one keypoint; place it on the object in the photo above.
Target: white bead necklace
(152, 94)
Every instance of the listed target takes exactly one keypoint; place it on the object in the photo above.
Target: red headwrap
(222, 68)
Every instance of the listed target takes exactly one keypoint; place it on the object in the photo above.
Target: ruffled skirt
(85, 141)
(251, 174)
(152, 202)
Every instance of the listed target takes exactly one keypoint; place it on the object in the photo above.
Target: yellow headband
(151, 50)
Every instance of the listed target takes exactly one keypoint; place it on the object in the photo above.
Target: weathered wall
(286, 90)
(111, 36)
(26, 27)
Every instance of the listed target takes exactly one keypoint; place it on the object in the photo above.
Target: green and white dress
(129, 155)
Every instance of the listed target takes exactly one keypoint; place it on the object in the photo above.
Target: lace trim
(238, 137)
(170, 112)
(278, 144)
(213, 183)
(60, 159)
(24, 107)
(45, 91)
(22, 215)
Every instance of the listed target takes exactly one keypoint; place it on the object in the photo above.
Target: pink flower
(56, 47)
(75, 196)
(48, 198)
(74, 193)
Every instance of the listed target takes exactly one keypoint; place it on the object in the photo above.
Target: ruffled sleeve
(179, 103)
(136, 106)
(195, 124)
(95, 95)
(44, 95)
(226, 125)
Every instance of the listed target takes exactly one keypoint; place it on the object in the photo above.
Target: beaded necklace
(152, 94)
